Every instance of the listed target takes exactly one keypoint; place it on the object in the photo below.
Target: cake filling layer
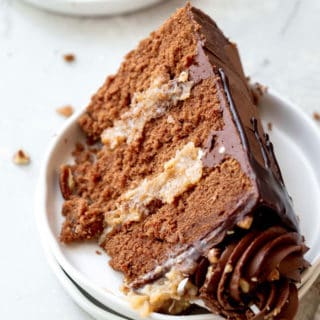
(170, 294)
(178, 175)
(149, 104)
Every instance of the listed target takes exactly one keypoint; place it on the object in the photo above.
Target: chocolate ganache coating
(242, 136)
(259, 268)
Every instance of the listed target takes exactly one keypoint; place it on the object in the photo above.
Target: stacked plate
(92, 7)
(85, 273)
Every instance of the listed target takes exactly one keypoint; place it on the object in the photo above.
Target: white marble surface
(279, 43)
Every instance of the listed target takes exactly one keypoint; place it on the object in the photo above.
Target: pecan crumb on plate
(316, 116)
(69, 57)
(21, 158)
(65, 111)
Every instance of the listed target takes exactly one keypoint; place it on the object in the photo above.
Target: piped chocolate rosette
(252, 274)
(254, 277)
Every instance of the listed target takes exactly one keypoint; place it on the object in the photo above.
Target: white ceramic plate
(92, 7)
(296, 139)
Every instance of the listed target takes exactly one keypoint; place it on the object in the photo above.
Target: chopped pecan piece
(66, 180)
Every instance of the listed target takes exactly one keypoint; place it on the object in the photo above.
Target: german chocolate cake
(179, 184)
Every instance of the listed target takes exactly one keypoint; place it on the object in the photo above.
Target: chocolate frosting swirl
(258, 270)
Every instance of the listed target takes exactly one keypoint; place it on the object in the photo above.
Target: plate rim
(81, 300)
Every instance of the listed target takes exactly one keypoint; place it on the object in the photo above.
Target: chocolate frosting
(257, 269)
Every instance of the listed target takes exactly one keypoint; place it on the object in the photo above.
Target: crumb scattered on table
(98, 252)
(69, 57)
(316, 116)
(21, 158)
(269, 125)
(65, 111)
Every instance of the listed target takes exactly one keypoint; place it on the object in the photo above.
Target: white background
(279, 41)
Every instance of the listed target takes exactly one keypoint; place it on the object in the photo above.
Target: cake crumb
(258, 90)
(269, 125)
(65, 111)
(261, 89)
(316, 116)
(21, 158)
(98, 252)
(69, 57)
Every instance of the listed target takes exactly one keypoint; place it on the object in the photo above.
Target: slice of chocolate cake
(182, 188)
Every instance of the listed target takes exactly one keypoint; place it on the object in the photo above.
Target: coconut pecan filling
(145, 106)
(180, 173)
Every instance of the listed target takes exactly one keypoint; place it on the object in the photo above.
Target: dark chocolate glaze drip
(255, 129)
(233, 110)
(271, 189)
(270, 149)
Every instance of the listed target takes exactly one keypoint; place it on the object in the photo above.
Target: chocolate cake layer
(182, 178)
